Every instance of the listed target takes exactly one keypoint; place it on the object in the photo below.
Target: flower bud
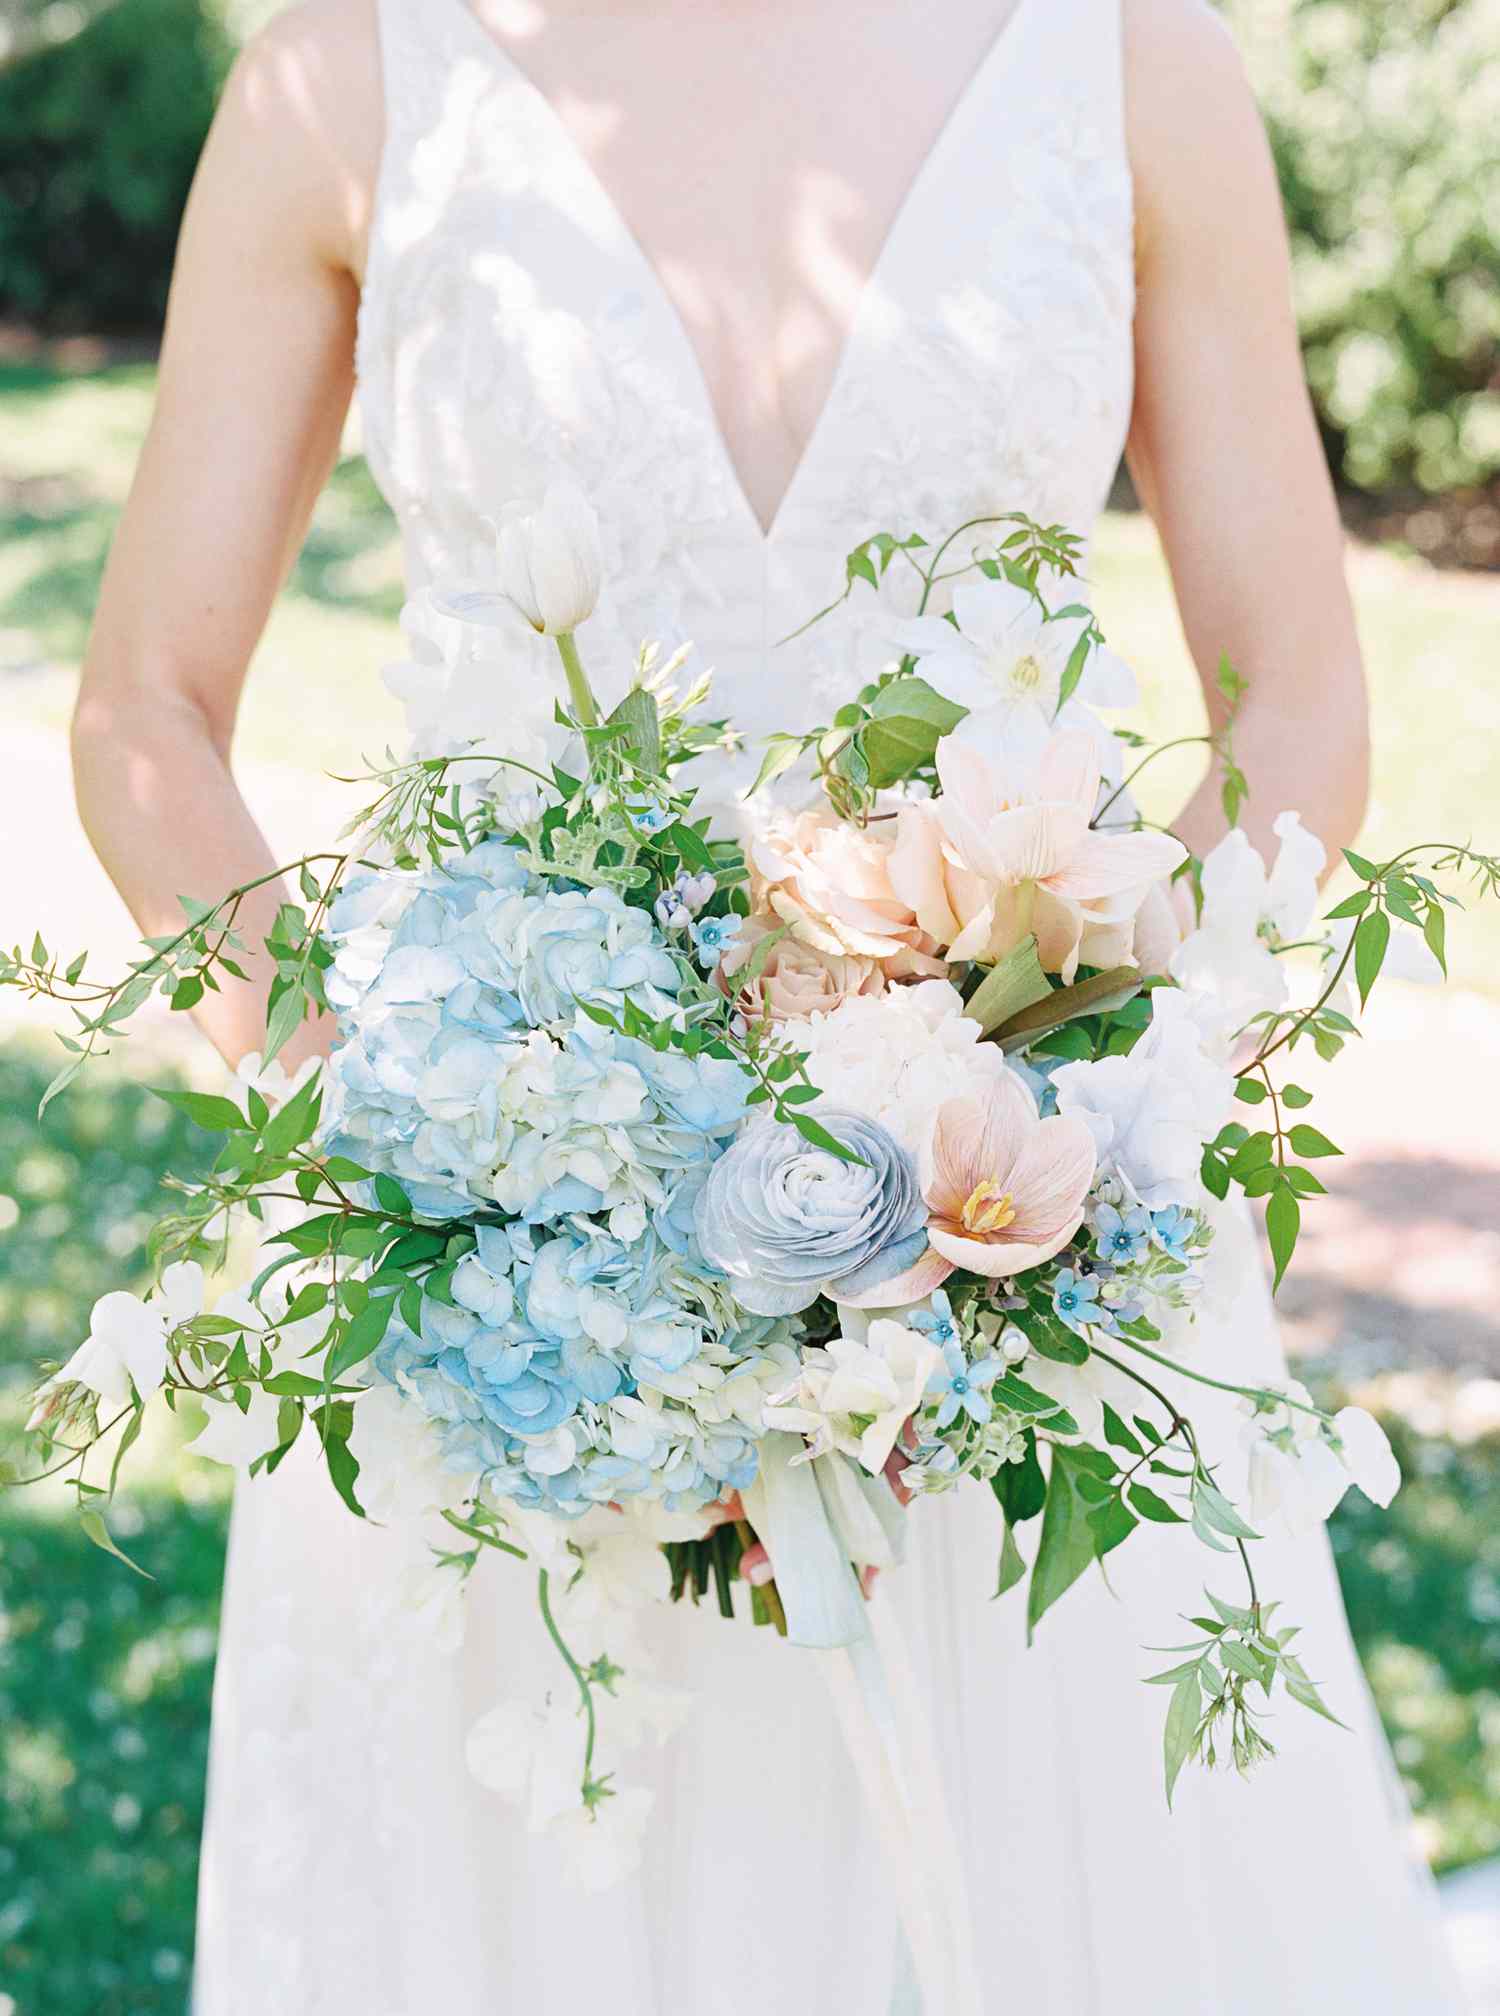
(549, 561)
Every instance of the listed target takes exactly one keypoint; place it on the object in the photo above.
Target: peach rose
(830, 881)
(797, 980)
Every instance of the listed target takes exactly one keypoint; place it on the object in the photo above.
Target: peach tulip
(1005, 1190)
(1008, 850)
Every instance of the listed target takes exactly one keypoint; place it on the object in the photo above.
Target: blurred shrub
(99, 136)
(1384, 115)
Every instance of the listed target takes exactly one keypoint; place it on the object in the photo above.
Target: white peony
(1151, 1112)
(897, 1056)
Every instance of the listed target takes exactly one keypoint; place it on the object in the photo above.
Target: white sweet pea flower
(401, 1469)
(127, 1340)
(857, 1396)
(236, 1437)
(1298, 1473)
(1150, 1112)
(605, 1847)
(532, 1757)
(1229, 964)
(272, 1081)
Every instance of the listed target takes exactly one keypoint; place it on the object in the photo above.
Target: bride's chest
(514, 327)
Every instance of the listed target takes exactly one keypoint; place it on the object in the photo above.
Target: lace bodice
(513, 329)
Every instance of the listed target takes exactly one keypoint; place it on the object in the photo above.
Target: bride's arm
(255, 379)
(1223, 446)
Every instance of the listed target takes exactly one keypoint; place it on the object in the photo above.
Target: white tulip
(549, 561)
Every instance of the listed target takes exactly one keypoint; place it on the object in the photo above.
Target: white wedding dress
(512, 328)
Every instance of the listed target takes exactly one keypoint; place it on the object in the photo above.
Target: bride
(765, 279)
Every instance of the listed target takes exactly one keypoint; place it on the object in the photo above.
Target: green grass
(104, 1675)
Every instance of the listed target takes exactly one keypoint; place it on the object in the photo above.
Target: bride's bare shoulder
(302, 118)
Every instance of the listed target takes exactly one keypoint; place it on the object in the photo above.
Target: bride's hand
(755, 1562)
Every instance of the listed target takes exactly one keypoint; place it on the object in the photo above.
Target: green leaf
(392, 1197)
(283, 1017)
(1078, 657)
(1295, 1096)
(1283, 1223)
(296, 1121)
(1250, 1091)
(1216, 1509)
(1352, 906)
(343, 1468)
(1150, 1506)
(1069, 1542)
(1365, 870)
(1371, 938)
(1182, 1727)
(1118, 1435)
(1012, 1563)
(94, 1526)
(637, 713)
(1307, 1141)
(913, 699)
(1435, 930)
(1021, 1488)
(362, 1336)
(1016, 982)
(206, 1109)
(818, 1136)
(1094, 996)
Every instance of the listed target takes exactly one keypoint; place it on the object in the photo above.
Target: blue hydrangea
(589, 1352)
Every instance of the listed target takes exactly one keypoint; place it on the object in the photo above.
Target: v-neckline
(995, 54)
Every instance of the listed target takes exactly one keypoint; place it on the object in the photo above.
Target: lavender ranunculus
(787, 1221)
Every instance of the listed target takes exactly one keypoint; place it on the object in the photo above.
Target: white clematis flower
(127, 1341)
(1005, 655)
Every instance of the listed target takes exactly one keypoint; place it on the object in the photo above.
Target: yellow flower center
(987, 1208)
(1026, 675)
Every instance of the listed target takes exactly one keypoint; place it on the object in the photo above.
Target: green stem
(586, 1692)
(580, 693)
(1202, 1379)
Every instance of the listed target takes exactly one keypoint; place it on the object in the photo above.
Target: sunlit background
(1384, 115)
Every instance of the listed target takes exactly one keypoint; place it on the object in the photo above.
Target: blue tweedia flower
(1173, 1230)
(712, 937)
(962, 1386)
(1121, 1237)
(648, 817)
(1075, 1297)
(937, 1321)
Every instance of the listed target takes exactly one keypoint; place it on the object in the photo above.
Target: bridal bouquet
(673, 1191)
